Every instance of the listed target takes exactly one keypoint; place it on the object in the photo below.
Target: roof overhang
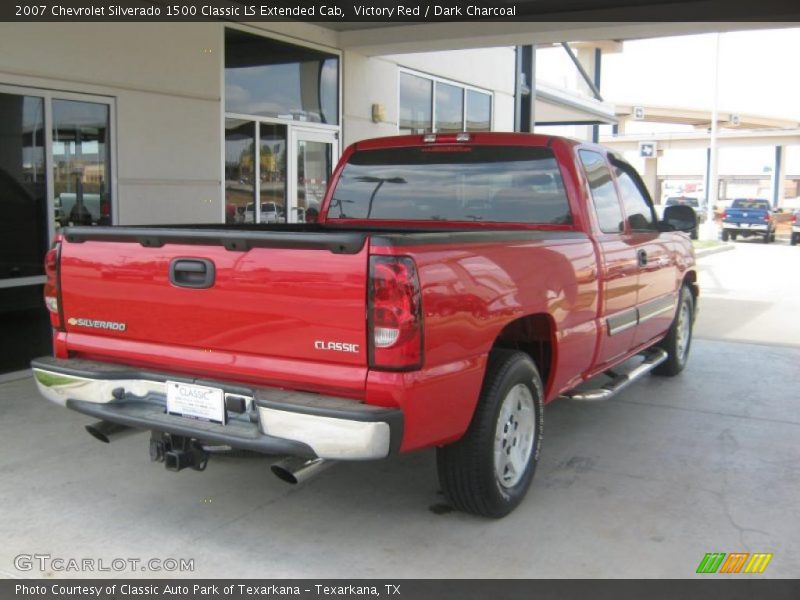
(700, 119)
(559, 107)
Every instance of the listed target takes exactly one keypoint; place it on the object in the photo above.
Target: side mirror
(680, 218)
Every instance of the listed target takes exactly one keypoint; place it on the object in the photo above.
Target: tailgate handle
(191, 272)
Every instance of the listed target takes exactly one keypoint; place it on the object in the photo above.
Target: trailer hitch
(177, 452)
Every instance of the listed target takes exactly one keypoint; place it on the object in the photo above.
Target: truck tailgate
(294, 295)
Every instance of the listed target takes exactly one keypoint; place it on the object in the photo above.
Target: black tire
(767, 238)
(794, 239)
(467, 468)
(733, 237)
(678, 341)
(772, 236)
(724, 235)
(693, 235)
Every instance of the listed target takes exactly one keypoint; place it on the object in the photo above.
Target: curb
(714, 250)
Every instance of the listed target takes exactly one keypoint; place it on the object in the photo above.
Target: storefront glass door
(314, 154)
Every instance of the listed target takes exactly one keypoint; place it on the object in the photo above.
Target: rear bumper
(274, 421)
(746, 227)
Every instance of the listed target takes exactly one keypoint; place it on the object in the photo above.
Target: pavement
(640, 486)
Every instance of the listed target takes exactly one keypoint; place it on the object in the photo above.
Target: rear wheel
(768, 238)
(679, 337)
(724, 235)
(489, 470)
(794, 239)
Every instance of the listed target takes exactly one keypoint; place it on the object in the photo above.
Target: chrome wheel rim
(683, 332)
(513, 436)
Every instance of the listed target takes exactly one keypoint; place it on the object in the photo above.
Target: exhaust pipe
(297, 470)
(105, 431)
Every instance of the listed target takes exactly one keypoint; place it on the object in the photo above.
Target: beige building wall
(165, 81)
(375, 80)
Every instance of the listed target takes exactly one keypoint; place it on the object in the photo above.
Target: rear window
(750, 204)
(682, 200)
(509, 184)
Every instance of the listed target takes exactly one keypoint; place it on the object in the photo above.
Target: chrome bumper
(746, 227)
(274, 421)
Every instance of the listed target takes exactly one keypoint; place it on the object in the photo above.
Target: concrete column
(650, 178)
(778, 175)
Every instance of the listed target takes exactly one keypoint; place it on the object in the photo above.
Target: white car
(270, 213)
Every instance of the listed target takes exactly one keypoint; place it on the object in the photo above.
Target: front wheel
(679, 337)
(489, 470)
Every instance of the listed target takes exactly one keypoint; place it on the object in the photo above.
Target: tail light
(767, 217)
(793, 219)
(52, 286)
(724, 215)
(394, 314)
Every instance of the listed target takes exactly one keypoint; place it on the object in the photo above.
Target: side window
(604, 194)
(637, 208)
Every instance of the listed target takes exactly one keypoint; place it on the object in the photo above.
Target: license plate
(196, 402)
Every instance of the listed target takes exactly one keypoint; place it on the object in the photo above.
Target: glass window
(314, 164)
(240, 185)
(81, 159)
(752, 204)
(276, 79)
(23, 224)
(24, 322)
(604, 194)
(513, 184)
(272, 159)
(416, 100)
(479, 111)
(637, 208)
(449, 108)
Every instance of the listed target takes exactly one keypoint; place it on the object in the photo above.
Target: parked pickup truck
(452, 286)
(746, 217)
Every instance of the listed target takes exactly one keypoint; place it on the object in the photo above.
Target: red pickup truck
(453, 285)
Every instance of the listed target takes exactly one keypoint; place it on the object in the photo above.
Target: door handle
(641, 257)
(198, 273)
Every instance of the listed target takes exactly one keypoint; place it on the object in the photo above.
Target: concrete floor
(641, 486)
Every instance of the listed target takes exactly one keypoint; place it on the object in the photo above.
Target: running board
(619, 381)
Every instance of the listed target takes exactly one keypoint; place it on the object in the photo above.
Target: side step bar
(619, 381)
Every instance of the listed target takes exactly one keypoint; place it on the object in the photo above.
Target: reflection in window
(240, 185)
(509, 184)
(637, 209)
(81, 157)
(273, 173)
(314, 164)
(449, 108)
(604, 194)
(276, 79)
(23, 224)
(416, 100)
(457, 107)
(479, 111)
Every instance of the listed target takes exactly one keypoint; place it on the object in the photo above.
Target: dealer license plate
(196, 401)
